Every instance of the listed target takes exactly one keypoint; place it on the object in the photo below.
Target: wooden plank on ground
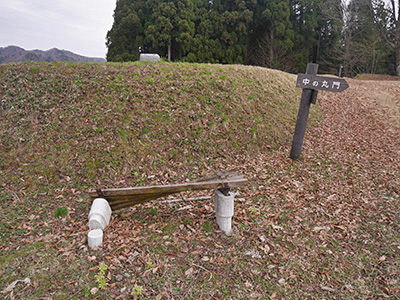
(124, 197)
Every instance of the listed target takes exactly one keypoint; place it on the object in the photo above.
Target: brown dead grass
(377, 77)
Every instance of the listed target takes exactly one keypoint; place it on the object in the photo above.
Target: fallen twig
(204, 270)
(11, 286)
(15, 194)
(186, 199)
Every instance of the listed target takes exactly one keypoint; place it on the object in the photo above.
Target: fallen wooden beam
(125, 197)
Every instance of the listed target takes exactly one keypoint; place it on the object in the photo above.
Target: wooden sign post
(311, 83)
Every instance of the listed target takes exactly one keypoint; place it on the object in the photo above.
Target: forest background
(361, 35)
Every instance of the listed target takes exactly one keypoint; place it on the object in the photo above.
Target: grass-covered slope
(66, 128)
(325, 226)
(103, 122)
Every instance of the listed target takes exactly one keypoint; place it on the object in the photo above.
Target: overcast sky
(79, 26)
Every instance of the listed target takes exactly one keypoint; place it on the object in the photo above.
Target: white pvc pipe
(149, 57)
(100, 214)
(95, 238)
(224, 208)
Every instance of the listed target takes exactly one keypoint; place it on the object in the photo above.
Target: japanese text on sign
(314, 82)
(323, 84)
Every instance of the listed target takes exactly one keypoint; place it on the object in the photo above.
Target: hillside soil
(325, 226)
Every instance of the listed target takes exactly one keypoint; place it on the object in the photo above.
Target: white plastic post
(149, 57)
(100, 214)
(95, 238)
(224, 208)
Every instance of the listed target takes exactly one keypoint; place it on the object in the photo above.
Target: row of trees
(371, 37)
(363, 35)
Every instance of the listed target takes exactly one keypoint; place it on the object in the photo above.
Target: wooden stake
(308, 96)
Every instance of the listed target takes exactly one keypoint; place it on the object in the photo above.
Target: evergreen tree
(171, 26)
(364, 49)
(317, 25)
(387, 21)
(126, 34)
(330, 26)
(272, 34)
(221, 31)
(284, 34)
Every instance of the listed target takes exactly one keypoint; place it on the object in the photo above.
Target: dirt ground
(385, 95)
(375, 99)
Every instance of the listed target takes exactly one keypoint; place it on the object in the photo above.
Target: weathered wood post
(310, 83)
(308, 96)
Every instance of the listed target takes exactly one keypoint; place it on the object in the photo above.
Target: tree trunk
(347, 59)
(398, 45)
(317, 48)
(271, 47)
(397, 35)
(169, 51)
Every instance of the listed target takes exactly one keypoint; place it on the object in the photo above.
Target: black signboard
(322, 83)
(311, 83)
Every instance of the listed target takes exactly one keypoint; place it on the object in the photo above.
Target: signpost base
(307, 97)
(311, 83)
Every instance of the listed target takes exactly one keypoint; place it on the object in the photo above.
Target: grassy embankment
(322, 227)
(70, 127)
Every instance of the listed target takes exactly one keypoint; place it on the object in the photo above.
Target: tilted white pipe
(100, 214)
(224, 208)
(99, 218)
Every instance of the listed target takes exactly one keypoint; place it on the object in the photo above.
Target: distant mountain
(17, 54)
